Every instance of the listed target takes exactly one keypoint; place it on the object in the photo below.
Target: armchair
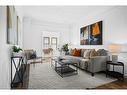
(31, 56)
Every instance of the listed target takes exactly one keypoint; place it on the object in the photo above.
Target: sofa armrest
(99, 58)
(97, 63)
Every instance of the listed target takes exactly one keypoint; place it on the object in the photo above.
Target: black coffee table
(65, 67)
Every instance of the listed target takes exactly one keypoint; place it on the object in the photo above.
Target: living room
(65, 24)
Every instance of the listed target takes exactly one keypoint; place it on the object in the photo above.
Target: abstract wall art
(91, 34)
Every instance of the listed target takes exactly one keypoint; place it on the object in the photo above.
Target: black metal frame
(60, 69)
(18, 69)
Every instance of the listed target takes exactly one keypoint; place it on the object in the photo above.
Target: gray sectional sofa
(91, 64)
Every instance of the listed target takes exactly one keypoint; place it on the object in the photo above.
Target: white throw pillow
(86, 54)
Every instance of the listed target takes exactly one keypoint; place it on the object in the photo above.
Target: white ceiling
(62, 14)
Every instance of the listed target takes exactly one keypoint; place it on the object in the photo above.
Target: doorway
(50, 40)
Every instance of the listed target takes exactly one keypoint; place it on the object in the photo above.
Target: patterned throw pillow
(93, 53)
(82, 52)
(33, 55)
(102, 52)
(87, 54)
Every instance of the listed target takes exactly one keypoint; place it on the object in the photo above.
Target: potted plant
(17, 51)
(65, 49)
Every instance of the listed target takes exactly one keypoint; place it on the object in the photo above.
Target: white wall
(32, 37)
(5, 51)
(114, 23)
(114, 30)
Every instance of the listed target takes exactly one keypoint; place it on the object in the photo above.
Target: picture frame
(12, 36)
(92, 34)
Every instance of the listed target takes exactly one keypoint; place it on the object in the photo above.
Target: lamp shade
(114, 48)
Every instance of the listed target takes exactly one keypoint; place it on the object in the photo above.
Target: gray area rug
(43, 76)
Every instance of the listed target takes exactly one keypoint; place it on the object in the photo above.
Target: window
(46, 42)
(54, 42)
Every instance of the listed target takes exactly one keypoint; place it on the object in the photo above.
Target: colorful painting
(91, 34)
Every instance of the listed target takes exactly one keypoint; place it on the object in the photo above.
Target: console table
(20, 69)
(113, 72)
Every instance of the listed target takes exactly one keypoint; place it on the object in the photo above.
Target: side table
(113, 72)
(19, 70)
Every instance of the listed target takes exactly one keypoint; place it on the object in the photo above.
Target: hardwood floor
(113, 85)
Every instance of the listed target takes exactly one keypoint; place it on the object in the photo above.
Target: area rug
(43, 76)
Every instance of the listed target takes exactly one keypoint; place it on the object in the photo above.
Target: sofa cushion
(82, 52)
(72, 51)
(33, 55)
(77, 52)
(102, 52)
(93, 53)
(86, 54)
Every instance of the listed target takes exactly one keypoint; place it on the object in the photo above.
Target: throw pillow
(87, 54)
(30, 52)
(77, 52)
(33, 55)
(82, 52)
(93, 53)
(102, 52)
(71, 52)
